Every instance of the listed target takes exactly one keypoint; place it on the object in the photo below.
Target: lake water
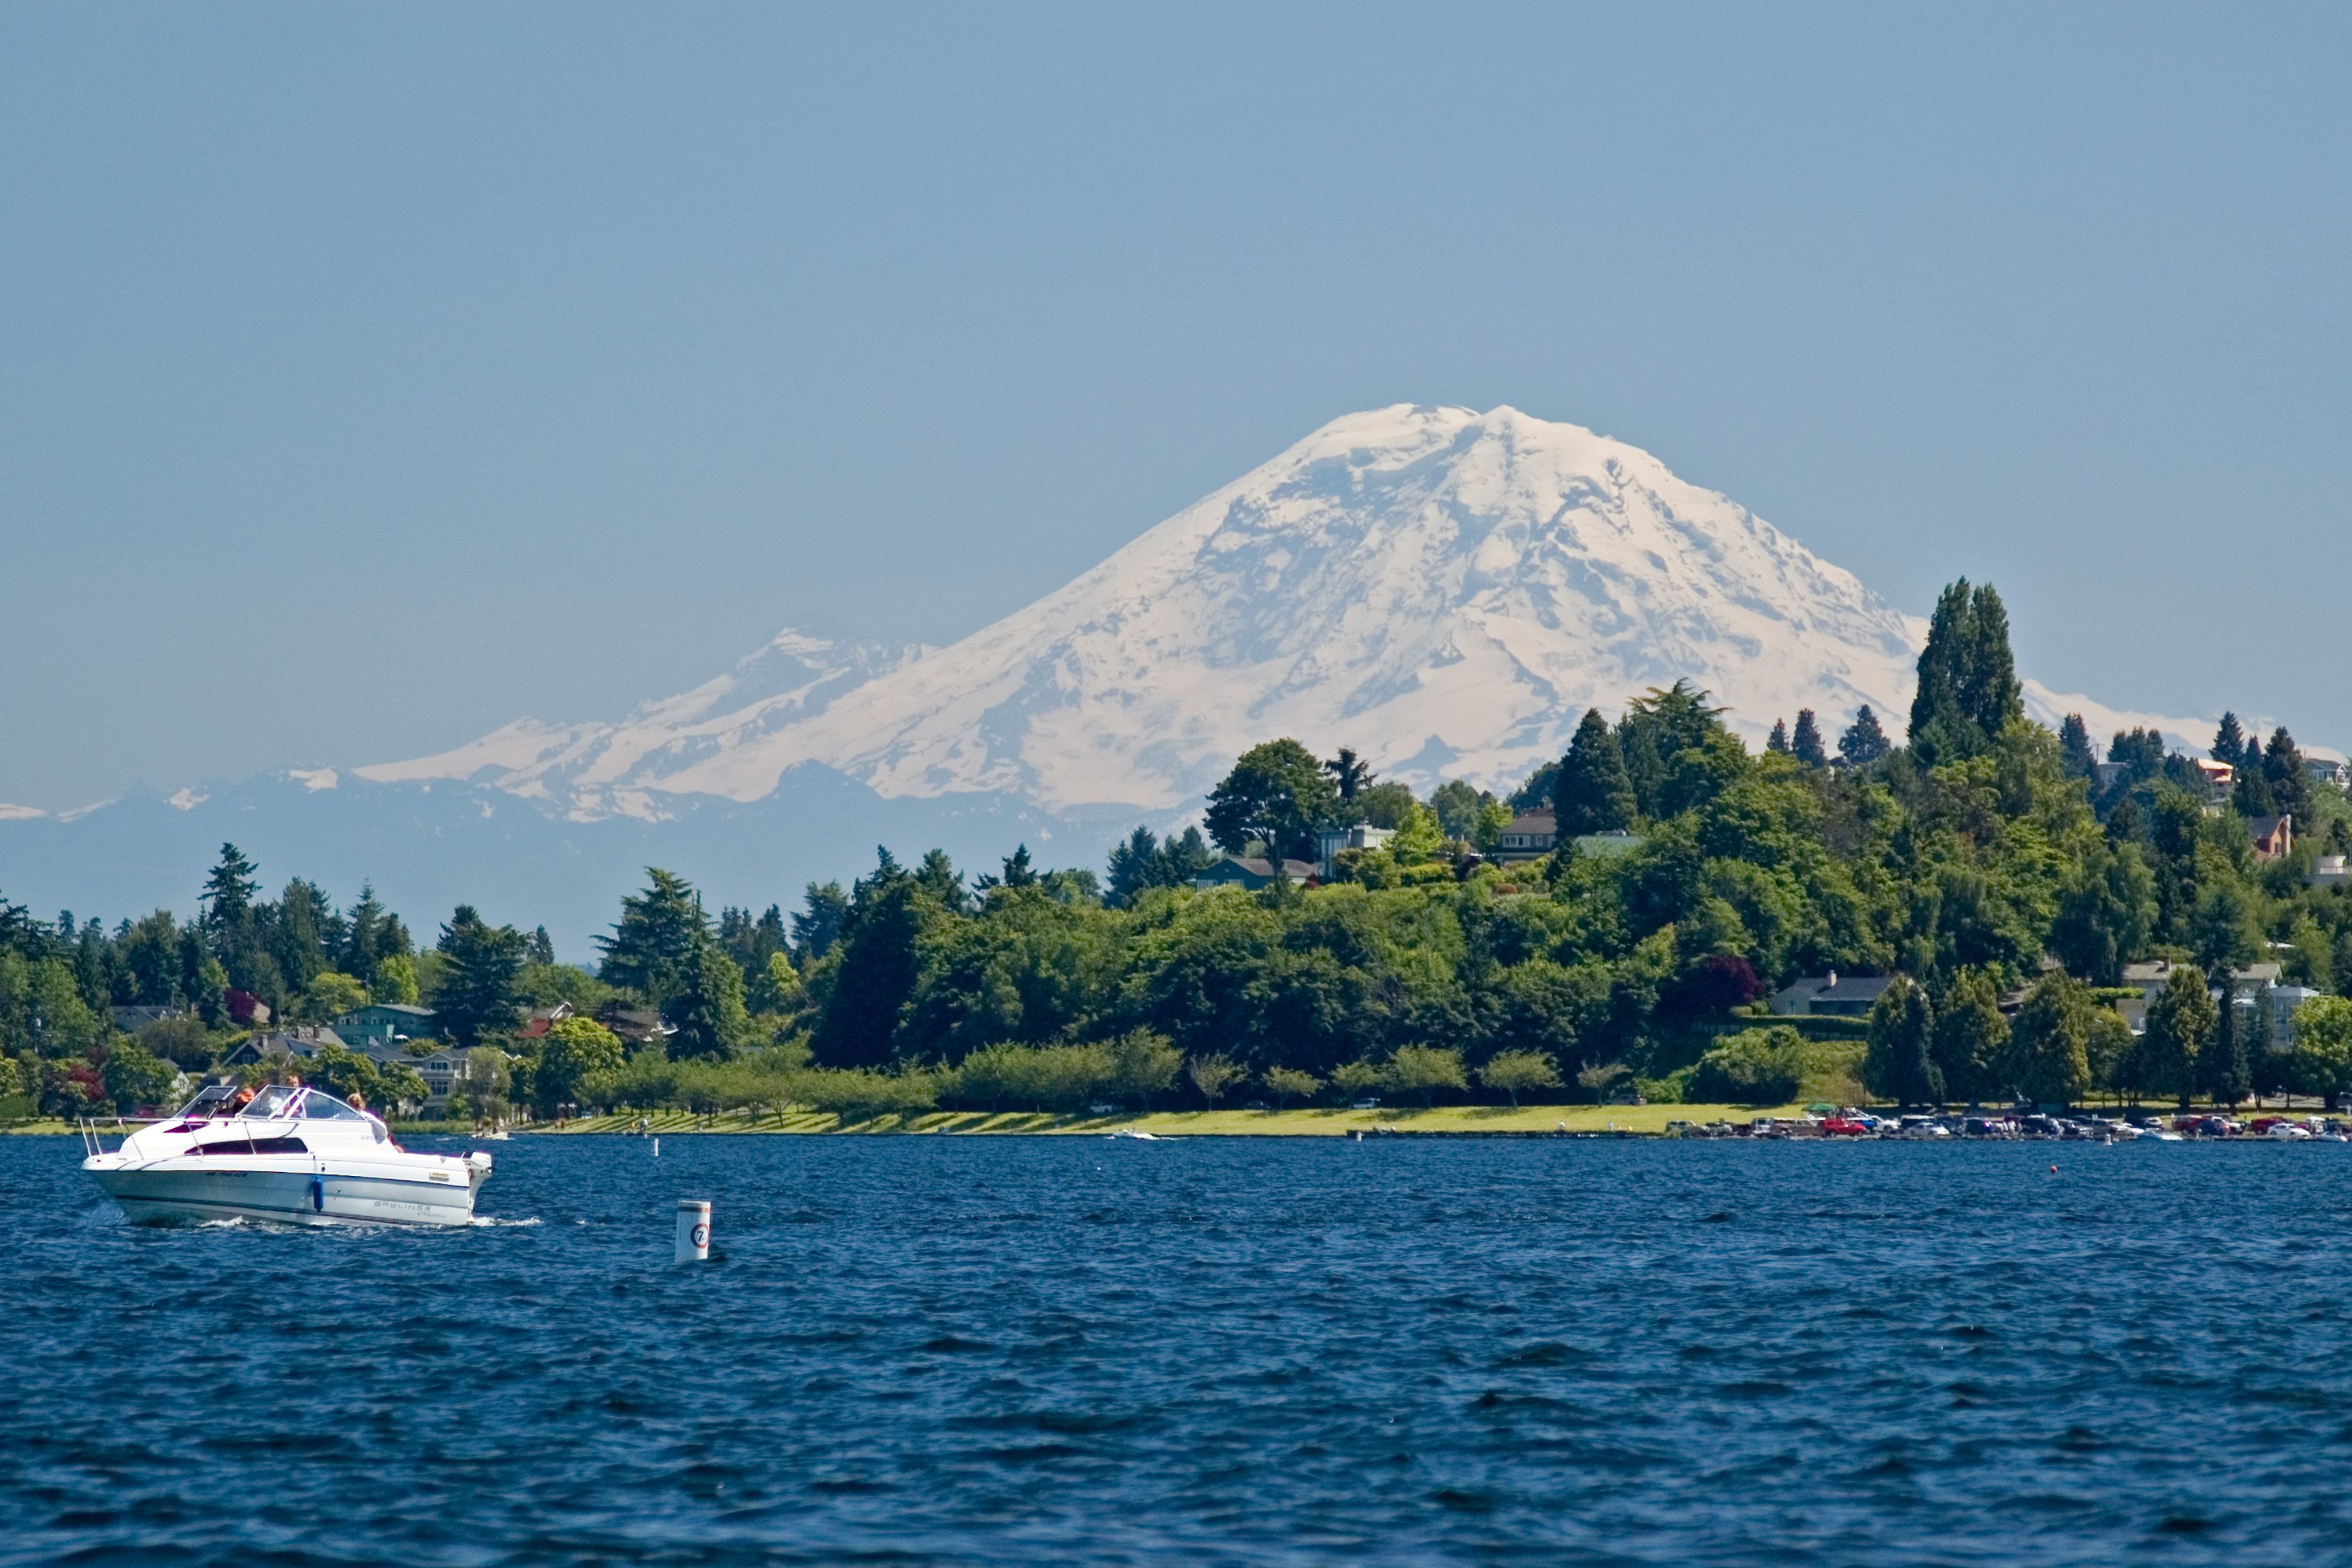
(1007, 1350)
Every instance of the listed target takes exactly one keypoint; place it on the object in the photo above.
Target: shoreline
(1450, 1120)
(1443, 1122)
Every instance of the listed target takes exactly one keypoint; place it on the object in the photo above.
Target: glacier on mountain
(1443, 590)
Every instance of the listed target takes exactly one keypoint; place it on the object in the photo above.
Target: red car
(1843, 1127)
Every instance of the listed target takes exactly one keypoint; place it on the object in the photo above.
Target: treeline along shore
(1615, 928)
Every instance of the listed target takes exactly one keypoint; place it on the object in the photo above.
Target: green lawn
(1309, 1123)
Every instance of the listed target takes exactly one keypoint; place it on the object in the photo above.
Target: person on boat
(356, 1100)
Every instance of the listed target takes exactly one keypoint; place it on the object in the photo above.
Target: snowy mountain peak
(1446, 591)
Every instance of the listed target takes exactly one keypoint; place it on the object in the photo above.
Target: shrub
(1753, 1066)
(1040, 1076)
(855, 1093)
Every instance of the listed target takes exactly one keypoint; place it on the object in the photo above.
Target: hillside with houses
(1981, 910)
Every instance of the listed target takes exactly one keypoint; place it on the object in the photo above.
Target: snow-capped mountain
(1443, 590)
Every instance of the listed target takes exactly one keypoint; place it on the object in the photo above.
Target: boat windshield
(319, 1106)
(273, 1102)
(212, 1099)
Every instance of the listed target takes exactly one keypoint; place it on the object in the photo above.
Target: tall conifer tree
(1591, 792)
(1969, 690)
(1864, 741)
(2076, 752)
(1805, 741)
(2222, 1068)
(2290, 784)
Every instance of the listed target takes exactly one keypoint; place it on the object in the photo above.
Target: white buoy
(693, 1231)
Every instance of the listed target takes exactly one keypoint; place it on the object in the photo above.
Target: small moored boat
(288, 1152)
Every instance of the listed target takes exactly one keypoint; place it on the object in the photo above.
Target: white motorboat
(289, 1154)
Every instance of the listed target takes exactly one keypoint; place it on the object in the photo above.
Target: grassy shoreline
(1451, 1120)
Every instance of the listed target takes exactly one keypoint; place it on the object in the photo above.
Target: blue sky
(371, 375)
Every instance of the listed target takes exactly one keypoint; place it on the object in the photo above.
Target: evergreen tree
(2222, 929)
(2250, 795)
(299, 934)
(1778, 740)
(1968, 690)
(2076, 754)
(229, 889)
(817, 925)
(1805, 741)
(543, 946)
(1590, 793)
(2228, 741)
(2179, 1022)
(1349, 774)
(1864, 741)
(1131, 866)
(1899, 1063)
(94, 966)
(708, 1011)
(2224, 1073)
(2266, 1070)
(937, 877)
(881, 965)
(656, 937)
(1183, 857)
(2283, 770)
(480, 965)
(1537, 793)
(364, 936)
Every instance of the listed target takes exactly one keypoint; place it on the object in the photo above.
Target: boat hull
(285, 1192)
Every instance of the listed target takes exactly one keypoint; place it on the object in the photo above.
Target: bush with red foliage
(1716, 983)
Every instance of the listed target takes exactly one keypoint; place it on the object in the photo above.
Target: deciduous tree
(1899, 1062)
(1518, 1072)
(1278, 795)
(2180, 1021)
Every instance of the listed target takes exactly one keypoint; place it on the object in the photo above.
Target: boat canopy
(274, 1102)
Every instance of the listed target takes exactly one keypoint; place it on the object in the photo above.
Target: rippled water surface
(1076, 1349)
